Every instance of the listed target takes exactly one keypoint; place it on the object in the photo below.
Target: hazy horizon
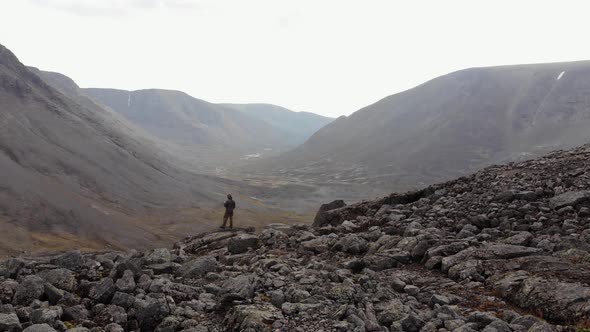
(328, 57)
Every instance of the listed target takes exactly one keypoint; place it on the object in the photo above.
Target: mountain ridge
(455, 123)
(208, 136)
(301, 124)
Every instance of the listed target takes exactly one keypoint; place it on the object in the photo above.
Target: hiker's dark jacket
(229, 205)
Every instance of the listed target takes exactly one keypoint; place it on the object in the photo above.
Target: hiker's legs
(231, 220)
(225, 220)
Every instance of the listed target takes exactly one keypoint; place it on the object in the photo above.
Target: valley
(78, 175)
(503, 249)
(294, 166)
(209, 137)
(119, 169)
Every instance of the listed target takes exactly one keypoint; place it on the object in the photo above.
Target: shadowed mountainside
(209, 137)
(77, 175)
(449, 126)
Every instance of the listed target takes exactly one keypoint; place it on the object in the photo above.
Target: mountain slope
(73, 171)
(451, 125)
(504, 249)
(298, 125)
(207, 135)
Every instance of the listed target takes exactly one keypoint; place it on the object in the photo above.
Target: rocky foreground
(506, 249)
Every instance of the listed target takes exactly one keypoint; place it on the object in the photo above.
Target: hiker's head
(229, 196)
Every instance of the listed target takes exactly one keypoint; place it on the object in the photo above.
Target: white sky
(325, 56)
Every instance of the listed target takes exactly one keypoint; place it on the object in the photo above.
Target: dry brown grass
(17, 239)
(165, 227)
(583, 326)
(64, 241)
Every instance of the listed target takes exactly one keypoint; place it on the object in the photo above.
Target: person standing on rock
(229, 205)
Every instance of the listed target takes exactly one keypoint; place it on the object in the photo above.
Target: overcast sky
(325, 56)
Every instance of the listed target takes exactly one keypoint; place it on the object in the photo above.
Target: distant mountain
(298, 125)
(77, 175)
(176, 116)
(450, 126)
(208, 136)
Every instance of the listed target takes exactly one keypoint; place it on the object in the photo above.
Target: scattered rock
(198, 267)
(324, 218)
(257, 317)
(103, 291)
(158, 256)
(240, 243)
(39, 328)
(126, 283)
(510, 236)
(72, 260)
(10, 323)
(46, 315)
(151, 316)
(569, 198)
(31, 288)
(60, 278)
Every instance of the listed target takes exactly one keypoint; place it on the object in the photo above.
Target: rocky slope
(448, 127)
(505, 249)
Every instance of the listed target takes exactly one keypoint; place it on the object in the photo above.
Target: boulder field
(505, 249)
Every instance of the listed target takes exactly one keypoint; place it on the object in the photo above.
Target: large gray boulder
(39, 328)
(126, 283)
(322, 217)
(158, 256)
(240, 243)
(198, 267)
(9, 323)
(11, 267)
(151, 316)
(488, 252)
(103, 291)
(53, 293)
(352, 244)
(114, 327)
(255, 317)
(31, 288)
(7, 289)
(123, 300)
(127, 264)
(111, 314)
(411, 323)
(318, 245)
(504, 251)
(570, 198)
(556, 300)
(392, 311)
(519, 239)
(205, 242)
(61, 278)
(243, 285)
(46, 315)
(76, 313)
(72, 260)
